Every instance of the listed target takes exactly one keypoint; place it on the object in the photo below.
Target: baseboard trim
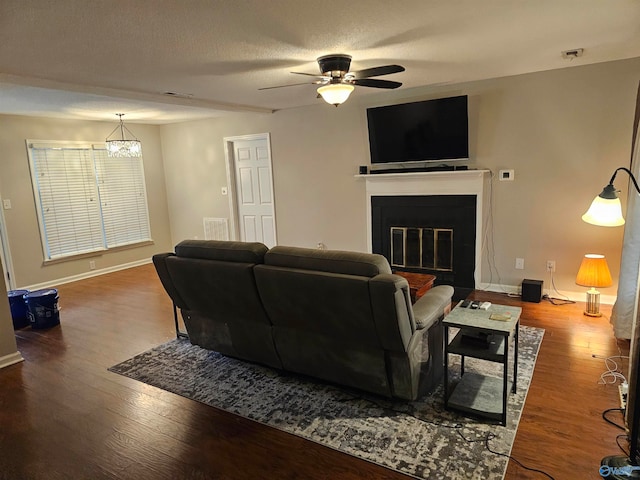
(10, 359)
(90, 274)
(575, 296)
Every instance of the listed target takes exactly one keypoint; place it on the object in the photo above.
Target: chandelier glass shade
(123, 147)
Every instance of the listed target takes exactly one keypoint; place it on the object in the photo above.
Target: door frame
(230, 161)
(5, 253)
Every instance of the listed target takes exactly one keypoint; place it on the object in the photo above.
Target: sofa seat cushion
(332, 261)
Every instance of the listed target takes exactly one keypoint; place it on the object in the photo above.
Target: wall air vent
(216, 228)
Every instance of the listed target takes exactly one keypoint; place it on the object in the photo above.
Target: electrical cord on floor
(604, 416)
(613, 372)
(458, 429)
(556, 300)
(490, 436)
(620, 446)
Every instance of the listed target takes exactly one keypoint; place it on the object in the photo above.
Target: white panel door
(254, 191)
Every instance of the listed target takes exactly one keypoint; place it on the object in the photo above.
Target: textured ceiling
(92, 58)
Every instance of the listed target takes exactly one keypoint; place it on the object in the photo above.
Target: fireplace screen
(425, 248)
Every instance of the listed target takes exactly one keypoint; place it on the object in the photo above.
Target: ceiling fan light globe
(335, 94)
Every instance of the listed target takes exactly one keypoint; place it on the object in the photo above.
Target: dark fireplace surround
(448, 212)
(451, 200)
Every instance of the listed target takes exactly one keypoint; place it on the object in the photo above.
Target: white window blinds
(87, 201)
(123, 199)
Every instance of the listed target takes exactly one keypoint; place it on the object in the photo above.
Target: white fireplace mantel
(460, 182)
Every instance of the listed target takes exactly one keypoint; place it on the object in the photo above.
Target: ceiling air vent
(571, 54)
(178, 94)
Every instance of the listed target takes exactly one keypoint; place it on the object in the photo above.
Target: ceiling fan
(337, 82)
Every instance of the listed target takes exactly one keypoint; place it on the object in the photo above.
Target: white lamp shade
(604, 212)
(336, 93)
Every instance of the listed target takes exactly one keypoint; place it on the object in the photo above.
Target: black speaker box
(531, 290)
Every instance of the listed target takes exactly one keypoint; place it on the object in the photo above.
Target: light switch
(6, 203)
(224, 190)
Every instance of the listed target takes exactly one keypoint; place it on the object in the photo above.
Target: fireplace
(430, 222)
(421, 248)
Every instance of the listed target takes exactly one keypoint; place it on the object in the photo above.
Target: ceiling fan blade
(290, 85)
(375, 83)
(311, 75)
(376, 71)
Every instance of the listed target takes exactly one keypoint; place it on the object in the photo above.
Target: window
(86, 201)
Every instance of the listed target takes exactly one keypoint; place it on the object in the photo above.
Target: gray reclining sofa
(339, 316)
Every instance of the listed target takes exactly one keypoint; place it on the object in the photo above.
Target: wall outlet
(92, 265)
(519, 263)
(551, 265)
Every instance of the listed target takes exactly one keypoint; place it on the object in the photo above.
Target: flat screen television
(428, 131)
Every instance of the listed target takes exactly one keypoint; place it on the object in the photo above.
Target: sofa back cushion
(331, 261)
(216, 279)
(223, 290)
(242, 252)
(338, 294)
(320, 303)
(331, 304)
(220, 303)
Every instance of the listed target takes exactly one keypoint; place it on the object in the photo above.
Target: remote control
(485, 305)
(465, 304)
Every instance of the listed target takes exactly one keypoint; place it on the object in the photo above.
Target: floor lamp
(607, 211)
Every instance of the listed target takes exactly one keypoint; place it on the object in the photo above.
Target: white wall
(563, 131)
(314, 157)
(21, 220)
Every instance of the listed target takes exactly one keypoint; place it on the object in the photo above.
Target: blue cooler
(19, 309)
(43, 308)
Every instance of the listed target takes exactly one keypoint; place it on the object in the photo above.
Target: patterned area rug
(419, 438)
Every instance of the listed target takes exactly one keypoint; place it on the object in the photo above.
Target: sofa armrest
(160, 262)
(433, 305)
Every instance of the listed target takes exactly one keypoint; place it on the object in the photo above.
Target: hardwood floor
(64, 416)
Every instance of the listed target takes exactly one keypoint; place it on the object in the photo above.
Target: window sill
(97, 253)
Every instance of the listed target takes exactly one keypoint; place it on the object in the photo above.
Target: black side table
(478, 394)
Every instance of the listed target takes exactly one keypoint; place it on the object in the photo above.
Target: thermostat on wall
(507, 175)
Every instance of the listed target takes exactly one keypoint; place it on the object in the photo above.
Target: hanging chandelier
(123, 147)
